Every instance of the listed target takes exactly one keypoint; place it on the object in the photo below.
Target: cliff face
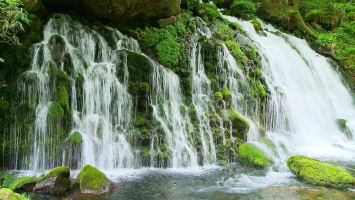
(116, 10)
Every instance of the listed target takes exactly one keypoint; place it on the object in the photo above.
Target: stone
(167, 21)
(93, 181)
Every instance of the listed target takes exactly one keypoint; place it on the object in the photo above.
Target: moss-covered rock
(227, 96)
(24, 184)
(218, 98)
(6, 180)
(55, 181)
(251, 156)
(55, 111)
(7, 194)
(208, 12)
(239, 124)
(75, 138)
(313, 171)
(143, 88)
(93, 181)
(257, 25)
(35, 7)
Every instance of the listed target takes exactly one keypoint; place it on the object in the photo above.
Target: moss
(261, 90)
(234, 49)
(227, 96)
(143, 88)
(239, 124)
(91, 178)
(56, 172)
(257, 25)
(243, 9)
(63, 97)
(55, 111)
(208, 12)
(343, 128)
(68, 64)
(140, 122)
(223, 32)
(7, 180)
(234, 25)
(218, 96)
(8, 194)
(269, 143)
(75, 138)
(193, 114)
(22, 181)
(318, 173)
(251, 156)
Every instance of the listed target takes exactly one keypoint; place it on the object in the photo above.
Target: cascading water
(307, 96)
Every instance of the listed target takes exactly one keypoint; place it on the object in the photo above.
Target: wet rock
(313, 171)
(239, 124)
(56, 181)
(93, 181)
(166, 21)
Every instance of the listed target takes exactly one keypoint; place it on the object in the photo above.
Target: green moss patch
(91, 180)
(8, 194)
(55, 111)
(313, 171)
(21, 182)
(8, 179)
(75, 138)
(251, 156)
(239, 124)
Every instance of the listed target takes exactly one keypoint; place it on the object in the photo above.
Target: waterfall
(307, 96)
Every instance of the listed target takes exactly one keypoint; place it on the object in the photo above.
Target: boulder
(315, 172)
(251, 156)
(167, 21)
(56, 181)
(93, 181)
(7, 194)
(35, 7)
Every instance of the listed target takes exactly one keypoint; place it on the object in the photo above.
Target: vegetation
(243, 9)
(315, 172)
(91, 180)
(8, 194)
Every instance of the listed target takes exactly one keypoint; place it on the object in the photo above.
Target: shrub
(243, 9)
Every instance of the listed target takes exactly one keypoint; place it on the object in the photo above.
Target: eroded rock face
(117, 10)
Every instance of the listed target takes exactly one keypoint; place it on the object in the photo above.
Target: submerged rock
(56, 181)
(251, 156)
(93, 181)
(7, 194)
(313, 171)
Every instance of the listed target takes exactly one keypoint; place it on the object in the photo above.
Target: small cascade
(307, 97)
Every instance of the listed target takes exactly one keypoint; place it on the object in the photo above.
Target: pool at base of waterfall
(211, 182)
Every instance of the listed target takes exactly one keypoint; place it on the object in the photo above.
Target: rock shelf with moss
(315, 172)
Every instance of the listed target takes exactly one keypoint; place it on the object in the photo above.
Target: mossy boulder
(208, 12)
(143, 88)
(35, 7)
(7, 194)
(93, 181)
(239, 124)
(55, 181)
(218, 98)
(24, 184)
(55, 111)
(313, 171)
(257, 25)
(251, 156)
(6, 180)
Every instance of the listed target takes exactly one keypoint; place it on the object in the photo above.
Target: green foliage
(326, 39)
(208, 12)
(234, 25)
(312, 15)
(251, 156)
(193, 114)
(315, 172)
(168, 52)
(218, 96)
(63, 97)
(180, 28)
(8, 179)
(223, 32)
(234, 49)
(227, 96)
(243, 9)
